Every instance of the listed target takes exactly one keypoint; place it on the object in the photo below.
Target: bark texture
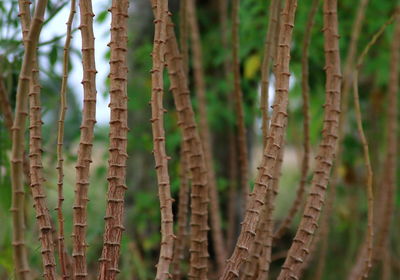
(305, 91)
(300, 247)
(86, 141)
(118, 141)
(160, 155)
(65, 274)
(205, 134)
(239, 109)
(265, 175)
(31, 38)
(199, 194)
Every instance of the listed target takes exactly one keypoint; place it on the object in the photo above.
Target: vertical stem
(305, 90)
(267, 168)
(86, 141)
(199, 195)
(118, 141)
(60, 138)
(205, 135)
(183, 206)
(17, 154)
(161, 158)
(300, 248)
(274, 10)
(238, 97)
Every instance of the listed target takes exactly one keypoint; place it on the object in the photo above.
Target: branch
(85, 142)
(60, 138)
(300, 248)
(264, 180)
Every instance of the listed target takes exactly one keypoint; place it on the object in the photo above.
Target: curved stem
(300, 248)
(60, 138)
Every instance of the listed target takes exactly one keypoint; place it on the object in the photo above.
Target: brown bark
(118, 142)
(86, 141)
(239, 110)
(183, 207)
(60, 138)
(273, 16)
(161, 158)
(275, 143)
(186, 121)
(305, 90)
(18, 129)
(205, 135)
(36, 175)
(300, 247)
(390, 177)
(363, 262)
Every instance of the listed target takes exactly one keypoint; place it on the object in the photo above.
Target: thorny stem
(239, 110)
(184, 33)
(261, 248)
(205, 135)
(305, 91)
(199, 195)
(300, 247)
(86, 141)
(360, 268)
(60, 138)
(118, 141)
(160, 155)
(183, 206)
(264, 180)
(348, 69)
(18, 130)
(274, 10)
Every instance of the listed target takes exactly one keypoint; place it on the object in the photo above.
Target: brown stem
(186, 121)
(370, 230)
(184, 33)
(239, 110)
(274, 10)
(233, 167)
(118, 142)
(264, 180)
(86, 141)
(160, 155)
(390, 178)
(183, 207)
(18, 130)
(362, 265)
(205, 135)
(300, 247)
(60, 138)
(305, 90)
